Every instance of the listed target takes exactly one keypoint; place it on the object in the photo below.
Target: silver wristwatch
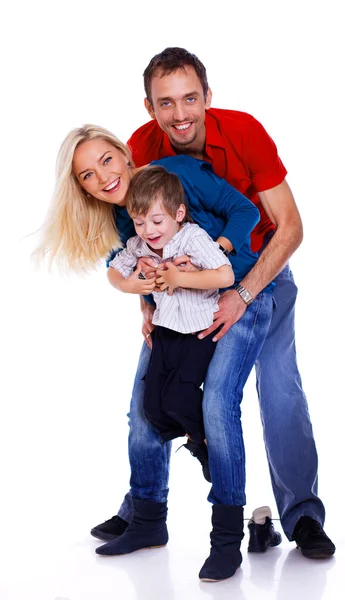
(245, 295)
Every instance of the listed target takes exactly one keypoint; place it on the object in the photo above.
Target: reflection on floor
(43, 568)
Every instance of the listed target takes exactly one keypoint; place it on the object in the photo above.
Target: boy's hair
(170, 60)
(156, 183)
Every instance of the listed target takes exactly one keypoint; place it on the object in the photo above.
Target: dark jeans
(173, 396)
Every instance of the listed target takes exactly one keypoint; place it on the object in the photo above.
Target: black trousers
(177, 369)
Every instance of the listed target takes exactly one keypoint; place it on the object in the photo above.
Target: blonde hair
(79, 230)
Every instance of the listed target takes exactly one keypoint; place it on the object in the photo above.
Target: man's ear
(149, 109)
(181, 213)
(208, 98)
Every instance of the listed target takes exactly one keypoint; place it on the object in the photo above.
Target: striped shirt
(187, 310)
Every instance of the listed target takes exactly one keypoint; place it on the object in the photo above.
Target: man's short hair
(170, 60)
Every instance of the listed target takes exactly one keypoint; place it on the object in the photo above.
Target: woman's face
(102, 171)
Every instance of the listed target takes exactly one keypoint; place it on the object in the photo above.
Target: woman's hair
(155, 183)
(79, 230)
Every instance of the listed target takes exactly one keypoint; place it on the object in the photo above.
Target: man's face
(178, 104)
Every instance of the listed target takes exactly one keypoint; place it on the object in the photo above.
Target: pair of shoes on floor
(199, 451)
(261, 530)
(262, 534)
(308, 534)
(311, 539)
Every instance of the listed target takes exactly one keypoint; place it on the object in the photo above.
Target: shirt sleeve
(218, 196)
(126, 260)
(204, 252)
(206, 191)
(266, 168)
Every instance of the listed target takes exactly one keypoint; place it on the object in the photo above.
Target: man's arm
(281, 208)
(147, 311)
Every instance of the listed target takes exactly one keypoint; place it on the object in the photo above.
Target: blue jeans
(288, 433)
(234, 357)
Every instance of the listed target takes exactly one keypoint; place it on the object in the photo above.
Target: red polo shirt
(239, 149)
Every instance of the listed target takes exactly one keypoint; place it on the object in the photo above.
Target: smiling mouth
(183, 127)
(113, 186)
(154, 240)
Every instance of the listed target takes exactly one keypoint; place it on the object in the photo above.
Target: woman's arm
(207, 193)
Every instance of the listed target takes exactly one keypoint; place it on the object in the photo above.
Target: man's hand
(231, 309)
(134, 285)
(168, 279)
(184, 264)
(147, 311)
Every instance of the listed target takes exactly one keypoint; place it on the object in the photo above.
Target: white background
(70, 345)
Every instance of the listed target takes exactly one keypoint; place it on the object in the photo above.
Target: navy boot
(147, 530)
(226, 537)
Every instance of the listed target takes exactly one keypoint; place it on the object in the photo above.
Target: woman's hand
(134, 285)
(168, 279)
(184, 264)
(147, 267)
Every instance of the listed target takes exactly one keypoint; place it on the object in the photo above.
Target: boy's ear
(149, 108)
(181, 213)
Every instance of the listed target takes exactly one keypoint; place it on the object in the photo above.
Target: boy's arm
(216, 271)
(131, 284)
(198, 280)
(123, 272)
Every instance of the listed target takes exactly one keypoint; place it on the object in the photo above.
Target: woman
(93, 173)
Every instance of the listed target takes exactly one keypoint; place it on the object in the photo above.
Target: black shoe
(311, 539)
(110, 530)
(200, 452)
(262, 534)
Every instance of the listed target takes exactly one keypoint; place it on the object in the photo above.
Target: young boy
(185, 302)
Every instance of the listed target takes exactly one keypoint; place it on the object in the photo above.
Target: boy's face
(158, 227)
(178, 104)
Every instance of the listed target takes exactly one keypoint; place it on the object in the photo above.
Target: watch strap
(245, 295)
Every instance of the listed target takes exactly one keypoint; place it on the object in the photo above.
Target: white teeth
(112, 185)
(181, 127)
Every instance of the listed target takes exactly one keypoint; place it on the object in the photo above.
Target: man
(178, 99)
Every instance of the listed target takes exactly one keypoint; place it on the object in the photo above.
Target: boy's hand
(169, 278)
(134, 285)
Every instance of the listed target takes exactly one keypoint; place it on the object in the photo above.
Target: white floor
(66, 391)
(53, 559)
